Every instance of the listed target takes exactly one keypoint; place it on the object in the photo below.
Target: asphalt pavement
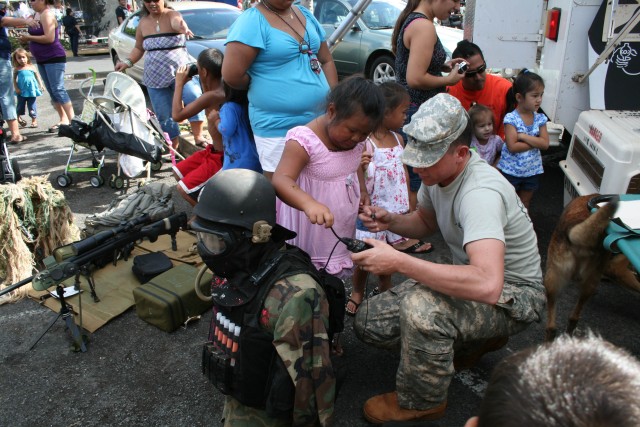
(136, 375)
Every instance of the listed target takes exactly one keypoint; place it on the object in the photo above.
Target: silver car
(366, 47)
(209, 22)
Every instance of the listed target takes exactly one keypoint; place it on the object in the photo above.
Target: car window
(131, 25)
(332, 13)
(380, 14)
(210, 23)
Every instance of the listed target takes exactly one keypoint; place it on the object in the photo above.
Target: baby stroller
(119, 121)
(9, 170)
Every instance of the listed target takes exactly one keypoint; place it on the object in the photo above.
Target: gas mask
(235, 254)
(229, 250)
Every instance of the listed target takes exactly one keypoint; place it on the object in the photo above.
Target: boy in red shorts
(194, 172)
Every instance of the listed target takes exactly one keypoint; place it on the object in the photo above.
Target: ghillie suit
(36, 219)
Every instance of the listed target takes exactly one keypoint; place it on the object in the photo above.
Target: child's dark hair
(355, 94)
(525, 82)
(478, 109)
(235, 95)
(239, 96)
(211, 60)
(465, 50)
(394, 94)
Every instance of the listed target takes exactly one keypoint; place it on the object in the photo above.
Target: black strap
(284, 268)
(167, 48)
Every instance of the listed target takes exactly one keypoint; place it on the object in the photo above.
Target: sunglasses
(151, 1)
(481, 69)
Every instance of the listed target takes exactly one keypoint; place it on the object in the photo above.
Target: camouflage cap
(437, 123)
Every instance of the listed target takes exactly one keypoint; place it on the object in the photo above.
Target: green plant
(15, 43)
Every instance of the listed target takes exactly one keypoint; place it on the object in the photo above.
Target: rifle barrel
(82, 246)
(16, 285)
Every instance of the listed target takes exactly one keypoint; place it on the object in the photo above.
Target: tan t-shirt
(481, 204)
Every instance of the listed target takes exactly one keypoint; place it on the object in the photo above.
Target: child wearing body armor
(239, 240)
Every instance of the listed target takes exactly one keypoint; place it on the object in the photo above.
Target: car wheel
(383, 69)
(115, 58)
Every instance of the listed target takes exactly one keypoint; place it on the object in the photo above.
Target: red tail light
(553, 24)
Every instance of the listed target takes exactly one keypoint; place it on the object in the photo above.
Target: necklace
(269, 8)
(158, 25)
(304, 43)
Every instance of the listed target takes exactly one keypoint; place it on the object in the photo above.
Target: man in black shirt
(122, 11)
(72, 29)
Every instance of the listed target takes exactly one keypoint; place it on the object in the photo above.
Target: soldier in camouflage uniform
(493, 290)
(237, 233)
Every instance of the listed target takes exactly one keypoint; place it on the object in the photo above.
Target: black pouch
(147, 266)
(216, 365)
(336, 296)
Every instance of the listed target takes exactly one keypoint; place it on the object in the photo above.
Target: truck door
(507, 31)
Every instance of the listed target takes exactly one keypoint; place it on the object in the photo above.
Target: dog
(576, 254)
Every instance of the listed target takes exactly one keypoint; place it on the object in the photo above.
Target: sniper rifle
(85, 256)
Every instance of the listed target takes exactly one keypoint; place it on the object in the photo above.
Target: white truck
(588, 53)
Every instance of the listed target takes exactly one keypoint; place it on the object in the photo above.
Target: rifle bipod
(79, 340)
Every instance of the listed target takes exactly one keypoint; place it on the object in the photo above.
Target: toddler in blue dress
(28, 86)
(525, 135)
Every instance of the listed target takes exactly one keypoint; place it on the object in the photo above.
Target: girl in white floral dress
(386, 179)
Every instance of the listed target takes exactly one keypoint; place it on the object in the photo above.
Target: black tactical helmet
(238, 197)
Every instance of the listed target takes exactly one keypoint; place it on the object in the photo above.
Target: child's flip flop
(353, 312)
(17, 141)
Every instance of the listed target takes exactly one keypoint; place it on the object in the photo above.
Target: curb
(88, 75)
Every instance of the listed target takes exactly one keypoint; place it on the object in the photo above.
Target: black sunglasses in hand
(479, 70)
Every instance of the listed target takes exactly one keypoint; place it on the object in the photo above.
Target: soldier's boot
(385, 408)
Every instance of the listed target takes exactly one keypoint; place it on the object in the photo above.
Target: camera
(193, 69)
(464, 66)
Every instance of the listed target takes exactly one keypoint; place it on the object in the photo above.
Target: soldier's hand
(375, 218)
(381, 259)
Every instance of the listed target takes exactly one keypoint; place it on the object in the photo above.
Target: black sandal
(17, 141)
(351, 313)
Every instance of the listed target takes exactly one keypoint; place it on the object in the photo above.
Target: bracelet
(128, 62)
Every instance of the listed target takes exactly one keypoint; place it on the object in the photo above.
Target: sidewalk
(98, 59)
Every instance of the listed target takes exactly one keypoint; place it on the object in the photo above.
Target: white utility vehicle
(588, 53)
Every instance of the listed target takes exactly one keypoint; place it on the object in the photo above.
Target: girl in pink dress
(316, 180)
